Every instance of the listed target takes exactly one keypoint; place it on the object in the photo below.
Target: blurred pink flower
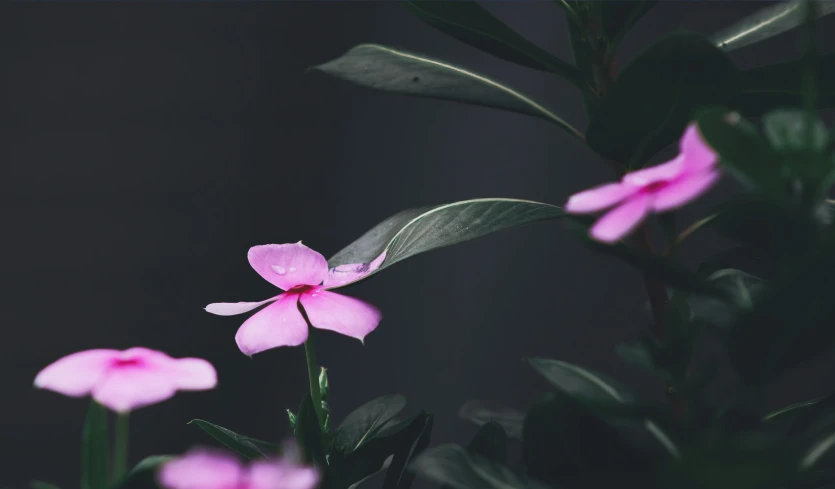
(655, 189)
(204, 469)
(299, 271)
(126, 380)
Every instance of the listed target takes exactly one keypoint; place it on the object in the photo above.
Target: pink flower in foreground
(126, 380)
(298, 271)
(203, 469)
(655, 189)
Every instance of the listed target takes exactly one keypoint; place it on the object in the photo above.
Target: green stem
(313, 376)
(120, 454)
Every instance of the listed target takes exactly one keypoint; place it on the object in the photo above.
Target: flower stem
(313, 376)
(120, 455)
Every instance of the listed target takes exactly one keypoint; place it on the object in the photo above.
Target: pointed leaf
(390, 70)
(397, 474)
(309, 434)
(453, 466)
(416, 231)
(366, 421)
(94, 448)
(484, 412)
(653, 99)
(471, 23)
(244, 445)
(766, 23)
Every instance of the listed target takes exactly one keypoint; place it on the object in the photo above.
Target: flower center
(655, 186)
(127, 362)
(299, 289)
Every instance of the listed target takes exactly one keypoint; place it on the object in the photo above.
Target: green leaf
(416, 231)
(142, 476)
(366, 421)
(780, 85)
(490, 442)
(743, 151)
(94, 448)
(390, 70)
(324, 387)
(657, 95)
(309, 434)
(766, 23)
(620, 15)
(792, 410)
(292, 419)
(453, 466)
(244, 445)
(484, 412)
(787, 130)
(378, 454)
(397, 474)
(472, 24)
(740, 291)
(598, 393)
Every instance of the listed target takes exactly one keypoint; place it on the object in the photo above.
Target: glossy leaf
(453, 466)
(779, 85)
(767, 23)
(395, 71)
(653, 99)
(94, 448)
(472, 24)
(244, 445)
(484, 412)
(366, 421)
(792, 410)
(416, 231)
(309, 434)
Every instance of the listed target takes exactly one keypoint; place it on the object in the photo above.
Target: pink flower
(203, 469)
(299, 271)
(126, 380)
(656, 189)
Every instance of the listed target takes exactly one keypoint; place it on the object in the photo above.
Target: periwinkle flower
(126, 380)
(205, 469)
(299, 271)
(655, 189)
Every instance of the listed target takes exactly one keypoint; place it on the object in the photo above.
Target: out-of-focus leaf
(472, 24)
(490, 442)
(779, 85)
(142, 475)
(619, 16)
(483, 412)
(94, 448)
(244, 445)
(766, 23)
(453, 466)
(741, 289)
(657, 95)
(366, 421)
(416, 231)
(309, 434)
(391, 70)
(397, 474)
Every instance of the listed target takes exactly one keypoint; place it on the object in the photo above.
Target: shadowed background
(148, 146)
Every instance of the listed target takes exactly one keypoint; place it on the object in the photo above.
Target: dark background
(146, 147)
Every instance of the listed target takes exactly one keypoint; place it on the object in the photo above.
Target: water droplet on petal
(278, 269)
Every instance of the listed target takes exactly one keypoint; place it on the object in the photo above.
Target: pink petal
(683, 190)
(621, 220)
(346, 274)
(132, 387)
(598, 198)
(279, 324)
(75, 375)
(658, 173)
(697, 154)
(201, 469)
(281, 475)
(288, 265)
(194, 374)
(340, 313)
(234, 308)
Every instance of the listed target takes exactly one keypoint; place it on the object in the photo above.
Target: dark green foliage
(94, 449)
(244, 445)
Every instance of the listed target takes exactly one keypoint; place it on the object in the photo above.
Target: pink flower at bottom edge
(299, 271)
(211, 469)
(125, 380)
(656, 189)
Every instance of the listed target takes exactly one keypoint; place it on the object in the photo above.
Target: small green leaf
(472, 24)
(416, 231)
(94, 448)
(309, 434)
(391, 70)
(366, 421)
(244, 445)
(484, 412)
(766, 23)
(292, 419)
(453, 466)
(323, 384)
(657, 94)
